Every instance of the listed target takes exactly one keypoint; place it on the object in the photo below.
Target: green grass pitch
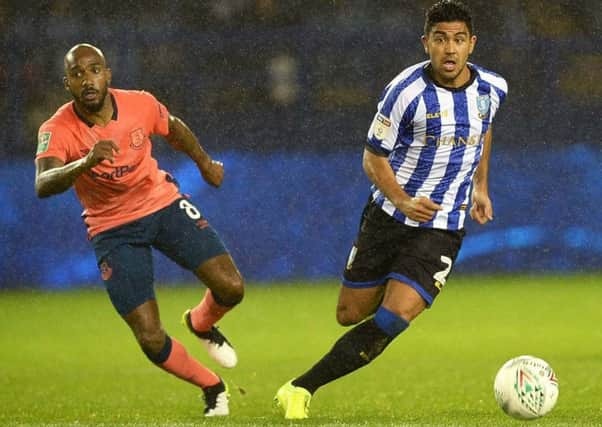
(66, 358)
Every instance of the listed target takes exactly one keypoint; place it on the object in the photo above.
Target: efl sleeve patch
(43, 142)
(381, 127)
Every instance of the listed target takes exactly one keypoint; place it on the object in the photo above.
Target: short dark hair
(448, 11)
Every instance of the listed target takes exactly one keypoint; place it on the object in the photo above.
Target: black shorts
(124, 254)
(388, 249)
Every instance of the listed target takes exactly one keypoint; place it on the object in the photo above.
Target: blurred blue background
(283, 92)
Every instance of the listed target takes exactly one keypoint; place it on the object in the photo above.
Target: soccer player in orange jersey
(99, 144)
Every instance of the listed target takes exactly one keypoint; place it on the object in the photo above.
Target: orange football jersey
(133, 186)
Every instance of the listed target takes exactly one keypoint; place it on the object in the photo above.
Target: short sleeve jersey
(133, 186)
(433, 137)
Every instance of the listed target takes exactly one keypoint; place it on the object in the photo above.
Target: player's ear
(425, 44)
(473, 42)
(109, 75)
(66, 83)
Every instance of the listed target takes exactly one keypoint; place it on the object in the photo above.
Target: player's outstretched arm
(53, 176)
(181, 138)
(420, 209)
(481, 210)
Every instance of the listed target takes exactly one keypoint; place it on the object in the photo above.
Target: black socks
(354, 349)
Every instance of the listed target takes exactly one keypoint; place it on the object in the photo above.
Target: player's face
(87, 79)
(449, 44)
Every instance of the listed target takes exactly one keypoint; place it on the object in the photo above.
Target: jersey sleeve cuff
(46, 154)
(377, 151)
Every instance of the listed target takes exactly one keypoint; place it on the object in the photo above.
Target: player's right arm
(53, 176)
(391, 116)
(379, 171)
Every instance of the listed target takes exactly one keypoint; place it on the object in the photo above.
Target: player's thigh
(403, 300)
(187, 238)
(355, 304)
(373, 250)
(368, 264)
(127, 273)
(145, 323)
(423, 264)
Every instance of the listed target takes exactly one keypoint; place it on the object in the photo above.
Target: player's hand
(213, 172)
(102, 150)
(481, 210)
(421, 209)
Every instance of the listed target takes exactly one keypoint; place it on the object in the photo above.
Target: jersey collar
(88, 122)
(428, 69)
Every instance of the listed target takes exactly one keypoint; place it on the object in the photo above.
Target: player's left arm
(482, 210)
(181, 138)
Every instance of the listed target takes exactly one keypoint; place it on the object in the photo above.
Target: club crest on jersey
(43, 142)
(483, 103)
(137, 139)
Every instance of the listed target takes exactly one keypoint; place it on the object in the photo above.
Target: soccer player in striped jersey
(100, 144)
(427, 155)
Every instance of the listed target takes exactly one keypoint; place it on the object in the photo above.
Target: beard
(94, 106)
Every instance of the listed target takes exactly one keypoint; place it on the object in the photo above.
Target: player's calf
(355, 349)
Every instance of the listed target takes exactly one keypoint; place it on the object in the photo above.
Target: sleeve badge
(381, 126)
(43, 142)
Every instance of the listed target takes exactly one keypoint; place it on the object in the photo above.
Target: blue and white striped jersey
(433, 137)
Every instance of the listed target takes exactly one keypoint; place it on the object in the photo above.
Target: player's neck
(101, 117)
(459, 81)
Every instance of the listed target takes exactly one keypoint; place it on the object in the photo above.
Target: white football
(526, 387)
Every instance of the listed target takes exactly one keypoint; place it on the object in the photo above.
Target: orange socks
(207, 313)
(180, 364)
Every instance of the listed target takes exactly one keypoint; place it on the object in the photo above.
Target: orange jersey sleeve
(133, 186)
(54, 137)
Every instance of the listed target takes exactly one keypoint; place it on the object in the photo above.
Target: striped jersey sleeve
(395, 109)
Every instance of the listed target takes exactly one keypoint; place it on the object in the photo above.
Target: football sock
(207, 313)
(353, 350)
(175, 359)
(389, 322)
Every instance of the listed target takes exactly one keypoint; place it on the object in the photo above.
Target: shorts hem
(125, 309)
(362, 285)
(222, 251)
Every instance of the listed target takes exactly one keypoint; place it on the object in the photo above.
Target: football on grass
(526, 387)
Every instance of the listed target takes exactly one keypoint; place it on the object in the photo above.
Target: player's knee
(234, 296)
(231, 293)
(347, 316)
(151, 341)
